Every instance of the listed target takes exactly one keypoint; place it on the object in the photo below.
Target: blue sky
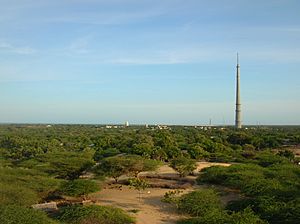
(149, 61)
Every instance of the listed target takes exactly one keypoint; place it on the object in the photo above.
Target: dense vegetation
(37, 162)
(94, 214)
(273, 191)
(205, 208)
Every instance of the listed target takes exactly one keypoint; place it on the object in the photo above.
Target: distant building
(163, 127)
(126, 124)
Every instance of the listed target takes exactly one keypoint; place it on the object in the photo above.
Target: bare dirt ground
(149, 209)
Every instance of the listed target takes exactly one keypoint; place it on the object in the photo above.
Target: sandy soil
(166, 170)
(150, 208)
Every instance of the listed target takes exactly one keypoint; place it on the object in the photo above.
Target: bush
(272, 192)
(65, 165)
(266, 159)
(100, 154)
(183, 165)
(212, 217)
(246, 216)
(18, 195)
(219, 216)
(78, 187)
(94, 214)
(200, 202)
(260, 186)
(120, 165)
(14, 214)
(24, 186)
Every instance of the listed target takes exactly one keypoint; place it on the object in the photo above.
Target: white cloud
(9, 48)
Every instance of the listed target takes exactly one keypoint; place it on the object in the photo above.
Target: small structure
(46, 207)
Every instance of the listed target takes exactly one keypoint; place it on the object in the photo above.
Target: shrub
(200, 202)
(211, 217)
(183, 165)
(94, 214)
(78, 187)
(66, 165)
(14, 214)
(100, 154)
(18, 195)
(24, 186)
(266, 159)
(213, 175)
(246, 216)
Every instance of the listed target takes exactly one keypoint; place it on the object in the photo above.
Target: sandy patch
(202, 165)
(168, 171)
(150, 208)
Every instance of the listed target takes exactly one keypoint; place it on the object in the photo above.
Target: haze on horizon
(158, 61)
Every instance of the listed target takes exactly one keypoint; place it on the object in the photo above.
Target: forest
(46, 163)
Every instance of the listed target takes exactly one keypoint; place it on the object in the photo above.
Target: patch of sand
(150, 208)
(166, 170)
(202, 165)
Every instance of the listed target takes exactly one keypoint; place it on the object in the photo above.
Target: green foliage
(66, 165)
(78, 187)
(183, 165)
(267, 158)
(272, 192)
(120, 165)
(287, 154)
(4, 162)
(172, 197)
(221, 217)
(245, 217)
(150, 165)
(14, 214)
(270, 181)
(196, 151)
(112, 167)
(23, 142)
(17, 195)
(211, 217)
(24, 186)
(94, 214)
(101, 154)
(206, 208)
(138, 183)
(200, 202)
(143, 149)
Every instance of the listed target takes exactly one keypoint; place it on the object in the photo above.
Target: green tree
(79, 187)
(113, 167)
(139, 184)
(197, 152)
(183, 165)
